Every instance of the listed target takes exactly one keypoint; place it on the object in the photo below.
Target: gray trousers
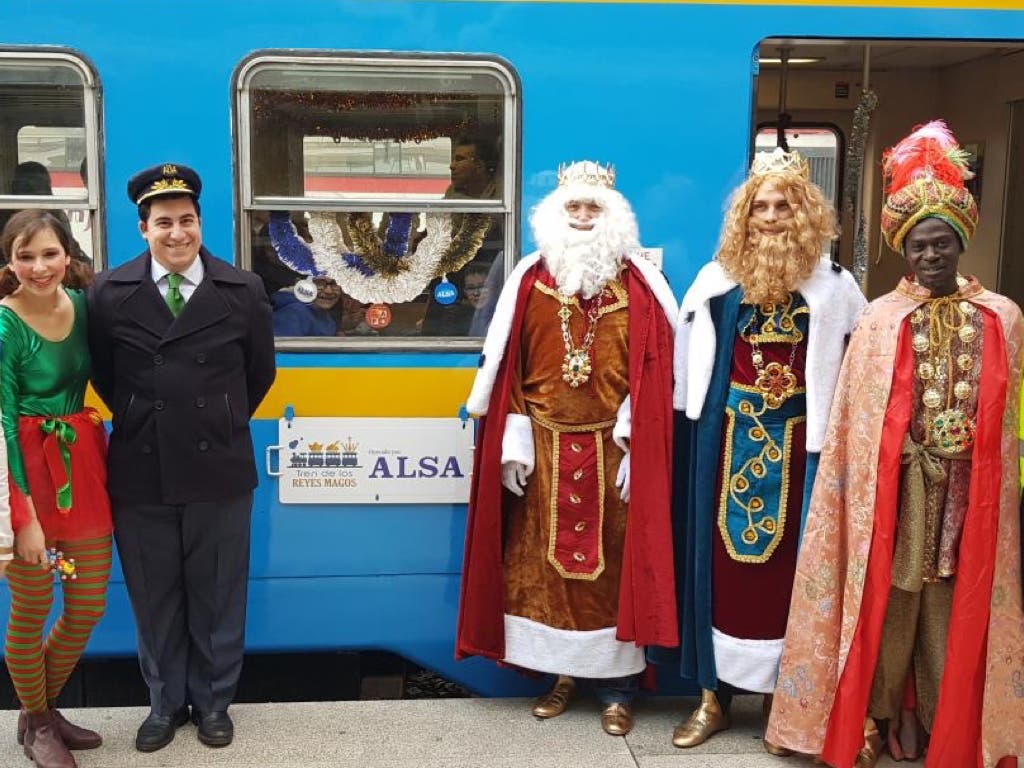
(186, 567)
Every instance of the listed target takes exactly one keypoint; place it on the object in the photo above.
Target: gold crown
(316, 448)
(780, 161)
(350, 445)
(333, 447)
(586, 172)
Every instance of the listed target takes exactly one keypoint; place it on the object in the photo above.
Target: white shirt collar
(194, 274)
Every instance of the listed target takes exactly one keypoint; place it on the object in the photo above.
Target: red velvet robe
(647, 605)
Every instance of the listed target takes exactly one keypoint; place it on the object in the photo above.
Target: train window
(821, 145)
(377, 195)
(49, 147)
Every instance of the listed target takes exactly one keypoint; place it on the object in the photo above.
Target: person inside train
(56, 476)
(911, 552)
(32, 178)
(295, 315)
(568, 567)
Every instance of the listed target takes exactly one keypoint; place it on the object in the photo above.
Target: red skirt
(52, 462)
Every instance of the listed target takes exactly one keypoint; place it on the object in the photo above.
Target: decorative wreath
(379, 269)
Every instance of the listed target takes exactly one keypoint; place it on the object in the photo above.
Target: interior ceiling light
(793, 60)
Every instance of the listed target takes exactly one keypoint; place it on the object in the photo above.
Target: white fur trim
(623, 425)
(835, 302)
(517, 442)
(595, 653)
(497, 338)
(504, 312)
(752, 665)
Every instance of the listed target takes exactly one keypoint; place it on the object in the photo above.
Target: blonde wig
(769, 267)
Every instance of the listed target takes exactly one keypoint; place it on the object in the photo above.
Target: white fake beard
(582, 262)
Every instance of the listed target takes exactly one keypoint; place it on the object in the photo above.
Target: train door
(868, 95)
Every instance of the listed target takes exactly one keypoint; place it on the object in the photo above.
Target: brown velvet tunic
(573, 585)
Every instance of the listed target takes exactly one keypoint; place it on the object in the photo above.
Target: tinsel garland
(440, 251)
(383, 258)
(290, 249)
(855, 157)
(468, 231)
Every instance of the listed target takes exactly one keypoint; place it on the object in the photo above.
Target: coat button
(158, 405)
(579, 557)
(576, 447)
(200, 402)
(158, 359)
(147, 449)
(203, 445)
(201, 357)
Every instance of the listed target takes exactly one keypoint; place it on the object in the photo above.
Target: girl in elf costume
(56, 467)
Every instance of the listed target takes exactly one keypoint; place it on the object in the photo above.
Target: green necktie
(174, 299)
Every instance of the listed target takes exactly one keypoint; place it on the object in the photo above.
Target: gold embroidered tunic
(564, 537)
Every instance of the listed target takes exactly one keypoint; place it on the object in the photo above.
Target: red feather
(930, 152)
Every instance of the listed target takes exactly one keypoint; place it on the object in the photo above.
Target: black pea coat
(181, 390)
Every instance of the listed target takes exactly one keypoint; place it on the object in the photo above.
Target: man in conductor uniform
(183, 353)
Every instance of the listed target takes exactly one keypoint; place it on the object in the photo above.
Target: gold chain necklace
(775, 381)
(576, 366)
(946, 385)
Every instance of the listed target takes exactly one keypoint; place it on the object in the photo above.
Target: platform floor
(447, 733)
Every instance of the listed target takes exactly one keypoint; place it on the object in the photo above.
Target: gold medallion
(965, 362)
(967, 308)
(953, 430)
(917, 317)
(962, 390)
(925, 371)
(967, 333)
(931, 398)
(576, 367)
(920, 342)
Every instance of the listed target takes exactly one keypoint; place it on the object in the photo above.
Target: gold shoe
(554, 702)
(871, 752)
(617, 719)
(708, 719)
(775, 749)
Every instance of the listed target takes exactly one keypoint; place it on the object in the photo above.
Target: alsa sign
(375, 461)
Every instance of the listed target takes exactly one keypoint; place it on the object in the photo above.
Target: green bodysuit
(40, 377)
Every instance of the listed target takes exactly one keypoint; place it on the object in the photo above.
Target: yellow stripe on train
(412, 392)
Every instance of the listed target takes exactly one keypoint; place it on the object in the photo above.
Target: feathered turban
(924, 177)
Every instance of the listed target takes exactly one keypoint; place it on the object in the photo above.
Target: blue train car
(331, 127)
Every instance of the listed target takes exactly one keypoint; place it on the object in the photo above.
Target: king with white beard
(568, 563)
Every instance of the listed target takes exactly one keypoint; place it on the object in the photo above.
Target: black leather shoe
(157, 731)
(215, 728)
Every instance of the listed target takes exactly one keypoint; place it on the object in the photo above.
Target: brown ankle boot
(74, 736)
(43, 744)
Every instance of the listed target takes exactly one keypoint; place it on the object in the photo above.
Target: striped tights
(39, 670)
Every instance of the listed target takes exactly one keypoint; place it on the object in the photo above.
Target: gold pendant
(931, 398)
(965, 362)
(776, 382)
(967, 333)
(953, 430)
(576, 367)
(962, 390)
(920, 342)
(925, 371)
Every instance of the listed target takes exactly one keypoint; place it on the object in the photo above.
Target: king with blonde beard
(568, 561)
(758, 350)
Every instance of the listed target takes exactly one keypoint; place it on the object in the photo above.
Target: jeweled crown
(780, 161)
(586, 172)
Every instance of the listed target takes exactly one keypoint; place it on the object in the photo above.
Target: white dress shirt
(193, 276)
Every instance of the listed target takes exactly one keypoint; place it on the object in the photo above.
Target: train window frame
(507, 206)
(92, 108)
(832, 128)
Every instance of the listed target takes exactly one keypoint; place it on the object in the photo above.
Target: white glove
(513, 477)
(622, 479)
